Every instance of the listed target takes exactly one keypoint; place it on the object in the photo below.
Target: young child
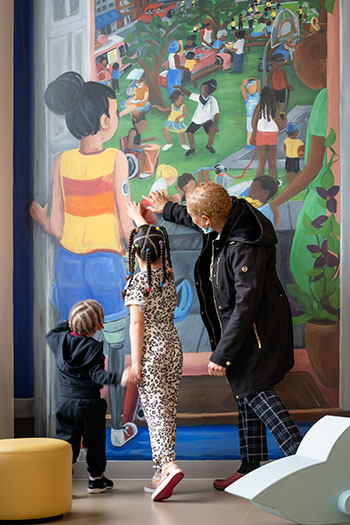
(238, 48)
(190, 62)
(266, 124)
(81, 412)
(261, 190)
(206, 115)
(250, 89)
(115, 77)
(156, 353)
(165, 176)
(220, 42)
(294, 149)
(278, 80)
(175, 121)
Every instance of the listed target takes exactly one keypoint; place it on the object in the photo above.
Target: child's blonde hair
(166, 171)
(86, 317)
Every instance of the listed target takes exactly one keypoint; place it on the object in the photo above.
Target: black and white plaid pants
(258, 412)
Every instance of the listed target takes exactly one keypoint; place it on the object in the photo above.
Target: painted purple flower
(295, 311)
(327, 258)
(331, 310)
(328, 195)
(313, 248)
(319, 221)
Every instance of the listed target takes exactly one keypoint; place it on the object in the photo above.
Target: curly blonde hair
(211, 199)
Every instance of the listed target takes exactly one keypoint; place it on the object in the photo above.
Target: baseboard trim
(142, 470)
(24, 408)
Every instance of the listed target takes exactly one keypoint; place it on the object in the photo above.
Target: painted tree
(219, 11)
(148, 46)
(148, 43)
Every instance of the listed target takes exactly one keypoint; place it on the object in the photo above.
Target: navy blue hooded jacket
(80, 363)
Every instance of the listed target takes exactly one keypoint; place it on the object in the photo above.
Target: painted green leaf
(326, 229)
(314, 272)
(332, 286)
(326, 315)
(335, 301)
(300, 319)
(332, 135)
(329, 5)
(327, 180)
(305, 299)
(333, 244)
(294, 290)
(322, 202)
(335, 225)
(319, 288)
(329, 273)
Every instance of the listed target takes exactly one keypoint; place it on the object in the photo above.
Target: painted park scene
(189, 78)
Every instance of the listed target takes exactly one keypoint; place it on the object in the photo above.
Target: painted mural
(193, 81)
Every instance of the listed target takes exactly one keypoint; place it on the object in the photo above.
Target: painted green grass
(232, 131)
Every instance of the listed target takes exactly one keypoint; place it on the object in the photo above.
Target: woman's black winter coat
(243, 304)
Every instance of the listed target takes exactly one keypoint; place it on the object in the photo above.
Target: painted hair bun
(62, 95)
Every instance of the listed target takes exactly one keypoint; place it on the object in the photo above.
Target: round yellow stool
(35, 479)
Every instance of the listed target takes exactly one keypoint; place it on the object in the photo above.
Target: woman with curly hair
(246, 313)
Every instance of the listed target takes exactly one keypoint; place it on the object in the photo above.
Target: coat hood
(248, 225)
(72, 351)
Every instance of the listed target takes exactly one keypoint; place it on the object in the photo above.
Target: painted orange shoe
(221, 484)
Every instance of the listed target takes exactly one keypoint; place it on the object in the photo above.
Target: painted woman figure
(310, 62)
(89, 218)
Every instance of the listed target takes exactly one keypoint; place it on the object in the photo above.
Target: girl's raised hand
(134, 212)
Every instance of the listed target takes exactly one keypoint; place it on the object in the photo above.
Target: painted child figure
(293, 148)
(278, 80)
(190, 62)
(175, 121)
(156, 353)
(81, 412)
(115, 77)
(238, 49)
(250, 89)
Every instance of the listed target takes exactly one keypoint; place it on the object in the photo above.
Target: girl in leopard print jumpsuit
(156, 353)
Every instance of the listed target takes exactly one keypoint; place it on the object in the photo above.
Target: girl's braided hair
(149, 243)
(267, 107)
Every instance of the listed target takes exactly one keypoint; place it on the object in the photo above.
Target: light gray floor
(194, 502)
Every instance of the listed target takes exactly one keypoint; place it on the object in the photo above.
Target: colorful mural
(180, 96)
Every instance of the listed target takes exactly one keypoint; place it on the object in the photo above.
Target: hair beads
(149, 243)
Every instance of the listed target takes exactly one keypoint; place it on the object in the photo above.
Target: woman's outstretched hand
(158, 200)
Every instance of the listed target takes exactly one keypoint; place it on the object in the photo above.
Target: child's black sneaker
(99, 485)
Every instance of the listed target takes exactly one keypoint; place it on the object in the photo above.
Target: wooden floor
(194, 502)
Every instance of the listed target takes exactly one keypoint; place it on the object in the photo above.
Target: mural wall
(187, 77)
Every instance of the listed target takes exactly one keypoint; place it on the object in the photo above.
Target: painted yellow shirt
(292, 146)
(91, 222)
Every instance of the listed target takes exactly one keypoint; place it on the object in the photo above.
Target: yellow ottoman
(35, 478)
